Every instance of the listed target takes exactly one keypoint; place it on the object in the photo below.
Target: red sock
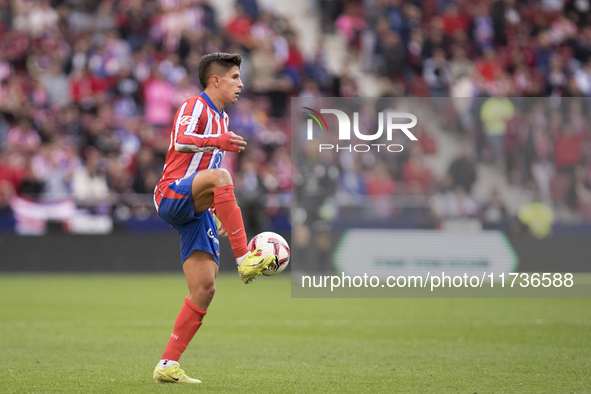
(186, 325)
(231, 217)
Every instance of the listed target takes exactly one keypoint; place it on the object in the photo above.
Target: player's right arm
(191, 123)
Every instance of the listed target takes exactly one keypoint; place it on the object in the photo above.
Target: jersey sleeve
(191, 128)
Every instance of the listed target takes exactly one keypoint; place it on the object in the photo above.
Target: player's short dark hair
(208, 64)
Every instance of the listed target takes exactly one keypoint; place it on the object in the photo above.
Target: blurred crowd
(88, 92)
(89, 89)
(463, 49)
(491, 51)
(543, 145)
(533, 144)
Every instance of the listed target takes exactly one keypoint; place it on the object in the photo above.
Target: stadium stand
(88, 91)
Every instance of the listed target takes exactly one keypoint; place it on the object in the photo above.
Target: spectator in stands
(535, 144)
(462, 170)
(89, 183)
(576, 118)
(330, 10)
(494, 212)
(582, 190)
(23, 138)
(416, 174)
(542, 172)
(244, 119)
(482, 30)
(42, 18)
(86, 89)
(393, 54)
(489, 69)
(12, 172)
(317, 68)
(414, 53)
(56, 83)
(582, 46)
(105, 19)
(280, 160)
(435, 38)
(411, 20)
(351, 23)
(567, 150)
(6, 192)
(119, 181)
(524, 82)
(453, 20)
(544, 51)
(352, 186)
(268, 77)
(380, 188)
(126, 94)
(437, 74)
(239, 27)
(159, 98)
(582, 79)
(453, 204)
(562, 29)
(30, 187)
(556, 79)
(460, 67)
(250, 7)
(133, 23)
(495, 113)
(251, 196)
(146, 171)
(537, 217)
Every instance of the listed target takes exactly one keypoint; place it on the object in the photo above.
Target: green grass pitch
(105, 334)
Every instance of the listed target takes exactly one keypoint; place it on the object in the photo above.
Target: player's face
(231, 85)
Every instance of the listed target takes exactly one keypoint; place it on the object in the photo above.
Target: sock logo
(234, 232)
(174, 336)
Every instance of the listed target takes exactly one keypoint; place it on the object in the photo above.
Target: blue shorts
(198, 232)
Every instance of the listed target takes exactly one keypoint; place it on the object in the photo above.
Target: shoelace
(174, 369)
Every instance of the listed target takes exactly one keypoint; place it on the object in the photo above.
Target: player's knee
(221, 177)
(209, 290)
(205, 292)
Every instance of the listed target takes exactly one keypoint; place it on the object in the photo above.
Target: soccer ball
(272, 243)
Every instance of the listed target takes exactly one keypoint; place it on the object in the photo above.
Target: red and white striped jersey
(197, 119)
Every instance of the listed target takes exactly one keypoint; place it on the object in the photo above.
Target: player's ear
(215, 79)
